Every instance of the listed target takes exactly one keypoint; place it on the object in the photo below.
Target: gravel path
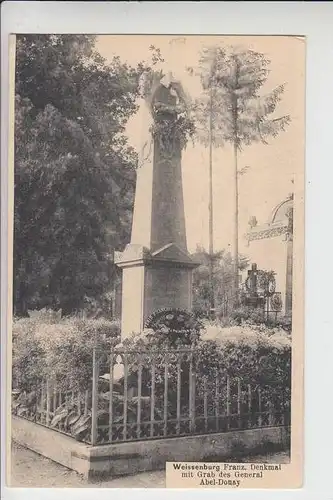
(32, 470)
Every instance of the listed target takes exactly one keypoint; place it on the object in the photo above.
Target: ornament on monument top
(148, 83)
(253, 222)
(169, 107)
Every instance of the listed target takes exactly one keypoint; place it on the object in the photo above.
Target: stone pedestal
(157, 268)
(152, 281)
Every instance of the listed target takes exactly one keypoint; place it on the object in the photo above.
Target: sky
(272, 168)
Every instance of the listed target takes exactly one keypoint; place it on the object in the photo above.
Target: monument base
(151, 281)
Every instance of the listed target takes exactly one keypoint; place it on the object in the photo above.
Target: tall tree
(74, 170)
(206, 110)
(242, 113)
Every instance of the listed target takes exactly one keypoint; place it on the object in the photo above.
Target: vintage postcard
(158, 258)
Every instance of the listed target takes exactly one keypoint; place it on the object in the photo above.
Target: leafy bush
(256, 355)
(285, 322)
(28, 366)
(244, 313)
(253, 316)
(61, 351)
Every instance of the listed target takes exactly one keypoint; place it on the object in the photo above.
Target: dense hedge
(248, 315)
(257, 355)
(61, 350)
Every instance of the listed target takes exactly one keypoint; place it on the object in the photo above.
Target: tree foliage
(235, 110)
(74, 169)
(233, 79)
(223, 266)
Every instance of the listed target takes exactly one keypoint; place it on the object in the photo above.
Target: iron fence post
(48, 403)
(94, 398)
(192, 393)
(111, 393)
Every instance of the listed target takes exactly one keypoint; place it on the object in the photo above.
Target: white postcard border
(313, 20)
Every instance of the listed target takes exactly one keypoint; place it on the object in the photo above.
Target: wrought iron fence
(139, 395)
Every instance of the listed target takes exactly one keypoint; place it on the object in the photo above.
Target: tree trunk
(235, 245)
(211, 244)
(20, 295)
(289, 268)
(235, 146)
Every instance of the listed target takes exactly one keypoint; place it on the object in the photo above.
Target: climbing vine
(172, 130)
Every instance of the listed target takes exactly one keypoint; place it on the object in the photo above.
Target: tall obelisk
(157, 268)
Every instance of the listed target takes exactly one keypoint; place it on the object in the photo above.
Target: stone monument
(157, 268)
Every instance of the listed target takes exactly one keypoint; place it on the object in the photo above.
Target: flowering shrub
(256, 355)
(251, 352)
(212, 330)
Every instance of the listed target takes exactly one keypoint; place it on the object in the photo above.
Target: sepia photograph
(158, 259)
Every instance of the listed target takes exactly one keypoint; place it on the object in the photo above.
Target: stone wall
(129, 458)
